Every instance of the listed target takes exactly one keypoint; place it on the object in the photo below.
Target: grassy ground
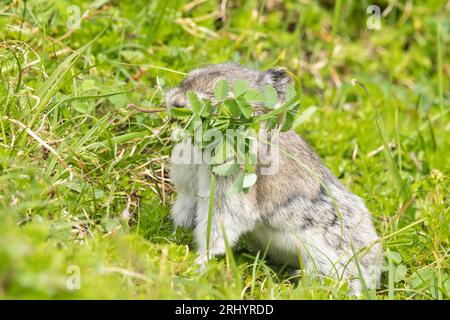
(83, 179)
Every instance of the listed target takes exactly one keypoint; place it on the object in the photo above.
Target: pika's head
(202, 81)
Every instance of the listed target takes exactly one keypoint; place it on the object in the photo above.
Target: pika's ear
(279, 79)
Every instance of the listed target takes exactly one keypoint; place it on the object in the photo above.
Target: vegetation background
(84, 188)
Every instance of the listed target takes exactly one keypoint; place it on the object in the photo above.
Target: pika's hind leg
(340, 263)
(311, 250)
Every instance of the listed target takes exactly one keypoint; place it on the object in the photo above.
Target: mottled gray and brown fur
(293, 213)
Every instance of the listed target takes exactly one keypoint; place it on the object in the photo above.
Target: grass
(83, 178)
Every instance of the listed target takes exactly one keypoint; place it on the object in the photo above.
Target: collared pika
(302, 214)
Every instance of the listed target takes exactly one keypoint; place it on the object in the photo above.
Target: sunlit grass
(84, 178)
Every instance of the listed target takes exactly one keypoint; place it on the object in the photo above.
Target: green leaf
(226, 169)
(233, 107)
(286, 106)
(289, 119)
(221, 90)
(400, 273)
(180, 113)
(82, 107)
(394, 256)
(290, 116)
(207, 108)
(194, 102)
(447, 286)
(290, 92)
(271, 123)
(422, 277)
(254, 96)
(118, 100)
(240, 86)
(88, 85)
(133, 56)
(223, 152)
(221, 124)
(249, 180)
(270, 96)
(244, 107)
(236, 187)
(195, 123)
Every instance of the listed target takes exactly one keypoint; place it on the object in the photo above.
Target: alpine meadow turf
(84, 187)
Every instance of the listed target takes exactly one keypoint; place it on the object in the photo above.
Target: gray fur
(291, 212)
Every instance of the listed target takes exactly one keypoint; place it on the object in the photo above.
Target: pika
(303, 218)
